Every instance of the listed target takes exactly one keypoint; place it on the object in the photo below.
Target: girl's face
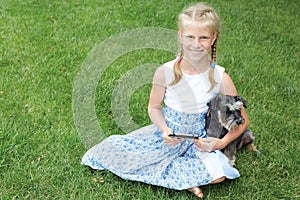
(196, 39)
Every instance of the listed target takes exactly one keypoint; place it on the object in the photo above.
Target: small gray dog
(223, 115)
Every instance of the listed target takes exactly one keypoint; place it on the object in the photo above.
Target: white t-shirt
(190, 94)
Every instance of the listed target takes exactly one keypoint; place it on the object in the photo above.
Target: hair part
(199, 12)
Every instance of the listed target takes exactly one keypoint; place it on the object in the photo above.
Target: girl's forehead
(197, 27)
(197, 24)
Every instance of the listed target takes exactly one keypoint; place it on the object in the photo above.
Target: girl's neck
(196, 67)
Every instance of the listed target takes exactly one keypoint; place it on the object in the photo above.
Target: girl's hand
(208, 144)
(170, 141)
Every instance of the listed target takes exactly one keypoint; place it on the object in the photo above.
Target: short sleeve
(159, 77)
(218, 75)
(164, 75)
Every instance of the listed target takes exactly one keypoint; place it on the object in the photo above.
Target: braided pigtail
(212, 66)
(177, 70)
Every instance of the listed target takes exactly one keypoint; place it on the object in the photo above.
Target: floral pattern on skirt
(143, 156)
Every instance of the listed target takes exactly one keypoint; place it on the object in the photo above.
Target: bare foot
(197, 191)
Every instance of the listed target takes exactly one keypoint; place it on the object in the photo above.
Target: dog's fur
(224, 114)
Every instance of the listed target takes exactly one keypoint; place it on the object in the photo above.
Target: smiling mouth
(196, 51)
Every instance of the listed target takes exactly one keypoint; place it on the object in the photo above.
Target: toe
(197, 191)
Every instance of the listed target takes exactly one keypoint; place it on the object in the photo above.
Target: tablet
(183, 135)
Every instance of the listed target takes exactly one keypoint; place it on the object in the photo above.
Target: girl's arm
(228, 88)
(154, 109)
(211, 144)
(154, 106)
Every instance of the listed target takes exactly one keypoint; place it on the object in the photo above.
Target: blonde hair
(199, 12)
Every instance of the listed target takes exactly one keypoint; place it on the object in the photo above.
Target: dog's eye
(228, 111)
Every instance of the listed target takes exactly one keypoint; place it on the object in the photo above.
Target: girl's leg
(197, 190)
(219, 180)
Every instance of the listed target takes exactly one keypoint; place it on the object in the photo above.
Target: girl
(185, 85)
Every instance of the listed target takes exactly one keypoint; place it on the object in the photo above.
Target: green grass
(43, 45)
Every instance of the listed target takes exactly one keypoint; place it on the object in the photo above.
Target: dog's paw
(253, 148)
(232, 161)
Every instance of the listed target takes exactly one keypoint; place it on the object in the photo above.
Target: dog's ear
(208, 104)
(239, 98)
(212, 104)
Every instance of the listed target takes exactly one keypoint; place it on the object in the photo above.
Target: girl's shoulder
(169, 64)
(218, 73)
(164, 74)
(219, 68)
(166, 67)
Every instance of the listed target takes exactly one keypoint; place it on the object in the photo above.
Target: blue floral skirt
(143, 156)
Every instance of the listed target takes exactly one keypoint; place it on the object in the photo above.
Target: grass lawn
(43, 47)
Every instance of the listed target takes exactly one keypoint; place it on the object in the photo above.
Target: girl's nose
(197, 42)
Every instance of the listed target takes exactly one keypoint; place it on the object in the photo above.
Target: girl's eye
(189, 37)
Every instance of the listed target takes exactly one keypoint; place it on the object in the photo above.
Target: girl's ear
(179, 35)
